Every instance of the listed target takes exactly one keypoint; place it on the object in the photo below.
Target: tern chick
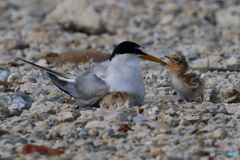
(187, 84)
(120, 73)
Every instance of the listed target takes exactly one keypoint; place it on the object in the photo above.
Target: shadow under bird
(116, 80)
(187, 84)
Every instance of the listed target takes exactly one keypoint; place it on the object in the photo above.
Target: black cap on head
(127, 47)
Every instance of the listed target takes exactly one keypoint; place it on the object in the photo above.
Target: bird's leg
(202, 97)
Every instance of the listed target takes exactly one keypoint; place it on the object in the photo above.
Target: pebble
(37, 135)
(98, 124)
(161, 126)
(4, 75)
(65, 128)
(69, 8)
(28, 79)
(31, 88)
(2, 89)
(14, 139)
(220, 133)
(233, 109)
(92, 132)
(111, 115)
(140, 118)
(13, 43)
(15, 102)
(14, 77)
(65, 117)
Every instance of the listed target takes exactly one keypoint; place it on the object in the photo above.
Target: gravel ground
(34, 111)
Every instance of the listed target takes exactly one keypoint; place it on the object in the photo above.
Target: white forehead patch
(140, 48)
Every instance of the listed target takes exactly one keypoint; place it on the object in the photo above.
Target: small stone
(233, 109)
(4, 75)
(37, 135)
(65, 117)
(142, 134)
(39, 36)
(31, 88)
(14, 139)
(14, 77)
(225, 92)
(42, 108)
(65, 15)
(53, 134)
(2, 132)
(92, 132)
(192, 118)
(220, 133)
(16, 119)
(2, 88)
(98, 142)
(105, 135)
(110, 148)
(161, 126)
(29, 79)
(150, 78)
(232, 60)
(42, 124)
(231, 124)
(65, 128)
(141, 118)
(153, 111)
(166, 19)
(111, 115)
(15, 102)
(98, 125)
(11, 44)
(156, 152)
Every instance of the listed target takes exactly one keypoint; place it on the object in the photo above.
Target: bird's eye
(176, 59)
(139, 50)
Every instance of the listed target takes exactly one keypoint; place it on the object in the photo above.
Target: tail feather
(60, 75)
(65, 86)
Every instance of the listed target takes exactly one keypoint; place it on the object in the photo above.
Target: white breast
(124, 74)
(183, 91)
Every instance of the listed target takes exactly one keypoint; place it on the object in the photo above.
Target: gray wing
(89, 88)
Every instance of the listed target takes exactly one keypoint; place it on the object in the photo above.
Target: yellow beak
(152, 58)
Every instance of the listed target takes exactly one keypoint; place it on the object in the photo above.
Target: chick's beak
(152, 58)
(170, 58)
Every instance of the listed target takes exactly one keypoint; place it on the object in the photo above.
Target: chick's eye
(176, 59)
